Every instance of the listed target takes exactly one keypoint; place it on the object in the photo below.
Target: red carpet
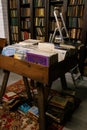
(11, 118)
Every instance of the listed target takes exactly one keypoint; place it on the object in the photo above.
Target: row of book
(26, 1)
(25, 12)
(39, 3)
(75, 2)
(15, 37)
(25, 35)
(75, 33)
(14, 29)
(13, 4)
(26, 23)
(75, 11)
(13, 13)
(39, 12)
(39, 21)
(74, 22)
(14, 21)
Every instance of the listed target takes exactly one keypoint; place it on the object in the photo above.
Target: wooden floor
(79, 117)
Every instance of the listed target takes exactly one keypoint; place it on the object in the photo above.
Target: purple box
(40, 59)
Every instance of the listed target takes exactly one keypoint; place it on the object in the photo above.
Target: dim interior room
(24, 26)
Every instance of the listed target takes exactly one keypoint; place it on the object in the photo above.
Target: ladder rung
(75, 73)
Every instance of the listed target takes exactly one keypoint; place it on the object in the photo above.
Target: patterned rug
(10, 116)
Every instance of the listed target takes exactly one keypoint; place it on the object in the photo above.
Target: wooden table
(42, 74)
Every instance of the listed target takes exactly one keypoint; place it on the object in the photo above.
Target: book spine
(53, 117)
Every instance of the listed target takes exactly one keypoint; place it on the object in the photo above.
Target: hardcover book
(59, 101)
(55, 113)
(9, 96)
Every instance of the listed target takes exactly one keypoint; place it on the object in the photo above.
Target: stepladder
(60, 31)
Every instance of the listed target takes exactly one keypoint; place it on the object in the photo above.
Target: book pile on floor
(18, 113)
(62, 105)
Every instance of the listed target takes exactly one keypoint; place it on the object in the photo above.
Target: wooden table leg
(4, 84)
(63, 82)
(26, 83)
(41, 106)
(47, 89)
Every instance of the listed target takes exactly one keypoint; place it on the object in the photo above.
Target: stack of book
(31, 111)
(9, 96)
(61, 105)
(57, 108)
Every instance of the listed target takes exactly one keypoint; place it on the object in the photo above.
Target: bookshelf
(75, 14)
(35, 19)
(40, 19)
(51, 24)
(13, 20)
(19, 16)
(51, 18)
(25, 19)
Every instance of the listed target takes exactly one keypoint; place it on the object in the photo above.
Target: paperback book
(24, 108)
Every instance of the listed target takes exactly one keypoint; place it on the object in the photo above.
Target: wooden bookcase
(35, 19)
(51, 24)
(25, 19)
(13, 17)
(75, 14)
(19, 15)
(39, 7)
